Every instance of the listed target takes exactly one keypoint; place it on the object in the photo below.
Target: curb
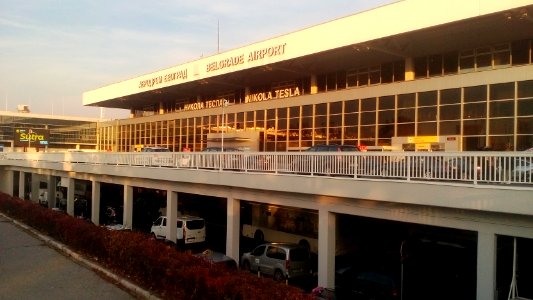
(126, 284)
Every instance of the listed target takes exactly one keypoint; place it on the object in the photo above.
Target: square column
(35, 183)
(486, 265)
(233, 227)
(71, 186)
(22, 186)
(95, 203)
(7, 182)
(127, 219)
(172, 215)
(326, 248)
(51, 191)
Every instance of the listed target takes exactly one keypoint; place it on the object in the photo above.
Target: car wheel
(246, 266)
(278, 276)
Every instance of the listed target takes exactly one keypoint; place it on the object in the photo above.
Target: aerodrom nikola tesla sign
(28, 137)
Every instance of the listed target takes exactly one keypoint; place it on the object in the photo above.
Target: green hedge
(156, 267)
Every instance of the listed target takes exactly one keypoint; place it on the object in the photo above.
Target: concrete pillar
(95, 202)
(486, 265)
(71, 188)
(409, 69)
(6, 183)
(233, 228)
(132, 113)
(127, 220)
(35, 184)
(161, 108)
(22, 187)
(314, 87)
(172, 214)
(51, 190)
(326, 248)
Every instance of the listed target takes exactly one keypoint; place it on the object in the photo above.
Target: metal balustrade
(467, 167)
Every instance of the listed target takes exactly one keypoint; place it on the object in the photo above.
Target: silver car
(279, 260)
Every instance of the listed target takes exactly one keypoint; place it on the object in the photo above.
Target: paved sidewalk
(30, 269)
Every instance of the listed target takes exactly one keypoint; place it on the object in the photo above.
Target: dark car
(365, 285)
(219, 259)
(326, 164)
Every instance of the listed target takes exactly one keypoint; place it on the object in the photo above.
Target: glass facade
(64, 133)
(497, 116)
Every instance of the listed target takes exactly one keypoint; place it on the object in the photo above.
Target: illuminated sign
(254, 55)
(25, 137)
(204, 104)
(422, 139)
(180, 74)
(276, 94)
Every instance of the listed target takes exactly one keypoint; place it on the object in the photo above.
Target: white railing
(470, 167)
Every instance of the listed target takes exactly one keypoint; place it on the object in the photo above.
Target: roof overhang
(408, 28)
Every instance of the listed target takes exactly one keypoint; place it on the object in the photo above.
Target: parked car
(279, 260)
(328, 165)
(190, 229)
(155, 149)
(353, 284)
(218, 258)
(522, 169)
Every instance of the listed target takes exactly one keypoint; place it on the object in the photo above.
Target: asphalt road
(30, 269)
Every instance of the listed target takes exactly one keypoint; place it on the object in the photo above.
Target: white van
(190, 229)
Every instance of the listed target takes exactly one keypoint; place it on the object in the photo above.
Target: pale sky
(51, 51)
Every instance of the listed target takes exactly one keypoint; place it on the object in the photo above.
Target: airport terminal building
(411, 75)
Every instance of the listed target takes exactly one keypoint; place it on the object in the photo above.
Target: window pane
(450, 128)
(524, 142)
(368, 118)
(475, 93)
(501, 109)
(451, 63)
(406, 129)
(420, 67)
(475, 110)
(450, 112)
(520, 52)
(406, 115)
(321, 109)
(406, 100)
(385, 131)
(525, 125)
(435, 65)
(427, 98)
(525, 89)
(387, 73)
(474, 127)
(386, 102)
(502, 91)
(525, 107)
(368, 131)
(427, 114)
(368, 104)
(501, 143)
(501, 126)
(335, 108)
(386, 116)
(427, 128)
(350, 119)
(351, 106)
(450, 96)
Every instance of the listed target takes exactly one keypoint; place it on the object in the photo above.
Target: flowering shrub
(155, 266)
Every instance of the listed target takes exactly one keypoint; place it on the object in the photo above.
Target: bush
(155, 266)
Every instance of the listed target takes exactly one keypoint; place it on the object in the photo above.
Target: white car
(190, 229)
